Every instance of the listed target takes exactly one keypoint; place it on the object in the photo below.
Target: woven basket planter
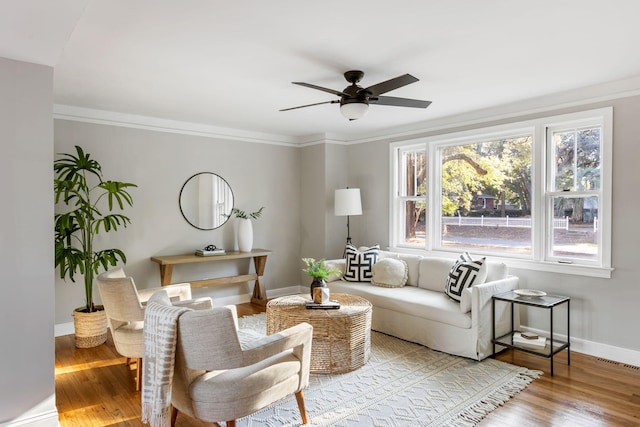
(90, 328)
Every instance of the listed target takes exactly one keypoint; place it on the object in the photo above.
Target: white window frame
(542, 194)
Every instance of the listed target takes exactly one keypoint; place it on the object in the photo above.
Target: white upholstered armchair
(123, 305)
(222, 373)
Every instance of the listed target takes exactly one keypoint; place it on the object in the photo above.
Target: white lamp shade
(354, 110)
(347, 202)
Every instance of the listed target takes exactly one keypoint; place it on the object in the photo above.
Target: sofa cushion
(409, 300)
(413, 264)
(434, 273)
(360, 263)
(465, 301)
(390, 273)
(496, 271)
(465, 273)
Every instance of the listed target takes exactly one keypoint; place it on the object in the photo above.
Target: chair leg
(138, 373)
(174, 415)
(303, 410)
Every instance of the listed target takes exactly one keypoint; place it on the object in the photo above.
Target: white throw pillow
(465, 273)
(360, 263)
(339, 264)
(390, 273)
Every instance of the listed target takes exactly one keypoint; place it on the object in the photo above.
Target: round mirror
(206, 201)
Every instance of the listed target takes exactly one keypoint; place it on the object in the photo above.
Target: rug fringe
(475, 413)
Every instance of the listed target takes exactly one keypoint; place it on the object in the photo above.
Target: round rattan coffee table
(341, 337)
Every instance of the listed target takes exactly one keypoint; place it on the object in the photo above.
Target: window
(486, 195)
(412, 195)
(538, 192)
(574, 196)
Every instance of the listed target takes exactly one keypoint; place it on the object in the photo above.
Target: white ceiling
(230, 64)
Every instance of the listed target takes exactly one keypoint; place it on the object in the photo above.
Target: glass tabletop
(538, 301)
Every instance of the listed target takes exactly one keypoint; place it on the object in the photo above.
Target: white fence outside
(558, 223)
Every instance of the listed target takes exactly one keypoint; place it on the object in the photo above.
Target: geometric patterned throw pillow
(465, 273)
(360, 264)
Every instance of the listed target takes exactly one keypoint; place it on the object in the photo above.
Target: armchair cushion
(223, 373)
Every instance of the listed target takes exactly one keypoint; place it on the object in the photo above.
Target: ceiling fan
(354, 100)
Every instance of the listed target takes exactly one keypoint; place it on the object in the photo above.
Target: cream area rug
(403, 384)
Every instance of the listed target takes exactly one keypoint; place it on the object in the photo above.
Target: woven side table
(341, 337)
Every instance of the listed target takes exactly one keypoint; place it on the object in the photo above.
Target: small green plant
(317, 269)
(243, 215)
(78, 184)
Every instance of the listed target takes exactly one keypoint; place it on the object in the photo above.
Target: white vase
(245, 235)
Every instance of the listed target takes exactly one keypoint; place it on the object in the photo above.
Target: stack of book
(529, 340)
(331, 304)
(204, 252)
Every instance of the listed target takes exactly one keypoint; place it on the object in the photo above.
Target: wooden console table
(259, 261)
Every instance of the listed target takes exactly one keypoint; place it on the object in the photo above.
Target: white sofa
(421, 312)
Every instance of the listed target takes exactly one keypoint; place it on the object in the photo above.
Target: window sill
(546, 266)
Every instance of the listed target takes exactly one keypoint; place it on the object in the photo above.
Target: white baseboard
(595, 349)
(63, 329)
(67, 328)
(591, 348)
(43, 414)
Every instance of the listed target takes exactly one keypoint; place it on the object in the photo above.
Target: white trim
(537, 129)
(540, 105)
(518, 263)
(44, 414)
(62, 329)
(591, 348)
(543, 104)
(112, 118)
(594, 349)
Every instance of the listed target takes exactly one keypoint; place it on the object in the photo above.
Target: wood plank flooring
(95, 388)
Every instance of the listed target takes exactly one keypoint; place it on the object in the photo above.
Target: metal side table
(548, 302)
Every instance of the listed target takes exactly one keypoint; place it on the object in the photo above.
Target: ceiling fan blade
(324, 89)
(391, 84)
(399, 102)
(335, 101)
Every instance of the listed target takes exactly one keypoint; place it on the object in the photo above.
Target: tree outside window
(534, 190)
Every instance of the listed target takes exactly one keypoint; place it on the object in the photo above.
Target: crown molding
(567, 99)
(557, 101)
(112, 118)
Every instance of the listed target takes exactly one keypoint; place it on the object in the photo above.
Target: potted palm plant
(85, 195)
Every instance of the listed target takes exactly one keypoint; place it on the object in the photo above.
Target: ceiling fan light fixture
(354, 110)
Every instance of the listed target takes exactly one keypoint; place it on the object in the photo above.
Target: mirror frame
(191, 221)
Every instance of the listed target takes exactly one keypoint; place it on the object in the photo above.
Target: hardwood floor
(95, 388)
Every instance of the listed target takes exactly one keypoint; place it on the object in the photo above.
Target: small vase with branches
(245, 228)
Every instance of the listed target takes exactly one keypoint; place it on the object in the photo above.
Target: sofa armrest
(481, 313)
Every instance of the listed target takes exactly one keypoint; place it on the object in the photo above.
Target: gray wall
(159, 163)
(26, 249)
(603, 311)
(297, 184)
